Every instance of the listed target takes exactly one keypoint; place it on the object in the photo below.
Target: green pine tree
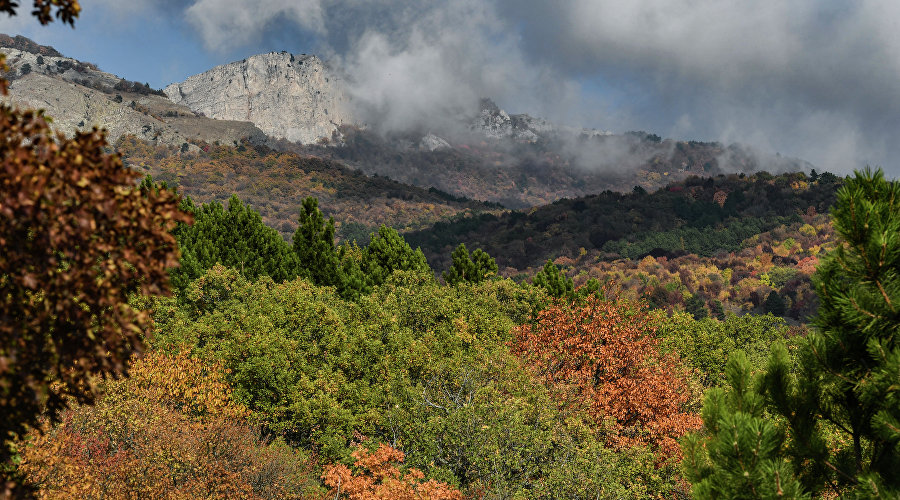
(847, 381)
(234, 237)
(314, 246)
(774, 304)
(555, 281)
(841, 404)
(696, 306)
(388, 252)
(739, 455)
(470, 269)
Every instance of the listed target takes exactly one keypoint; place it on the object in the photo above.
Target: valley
(243, 285)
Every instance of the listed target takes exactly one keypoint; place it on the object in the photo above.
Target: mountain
(287, 96)
(297, 103)
(495, 123)
(78, 96)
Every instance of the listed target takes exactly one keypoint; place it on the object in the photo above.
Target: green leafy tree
(234, 237)
(555, 281)
(470, 269)
(706, 344)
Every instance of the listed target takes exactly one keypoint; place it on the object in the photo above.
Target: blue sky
(816, 79)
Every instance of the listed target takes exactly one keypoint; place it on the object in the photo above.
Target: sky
(815, 79)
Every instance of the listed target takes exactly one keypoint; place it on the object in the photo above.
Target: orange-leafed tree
(378, 477)
(170, 430)
(602, 356)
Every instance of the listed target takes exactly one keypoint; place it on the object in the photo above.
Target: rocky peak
(78, 96)
(496, 123)
(289, 96)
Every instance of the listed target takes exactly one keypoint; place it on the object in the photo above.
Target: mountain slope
(275, 184)
(78, 96)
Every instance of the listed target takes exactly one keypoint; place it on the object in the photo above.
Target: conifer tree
(774, 304)
(740, 457)
(234, 237)
(314, 245)
(552, 279)
(388, 252)
(472, 269)
(841, 405)
(847, 382)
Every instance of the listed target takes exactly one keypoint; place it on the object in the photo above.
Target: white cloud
(225, 24)
(814, 78)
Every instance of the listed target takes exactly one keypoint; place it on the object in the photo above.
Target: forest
(721, 337)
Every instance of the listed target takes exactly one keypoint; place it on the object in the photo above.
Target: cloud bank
(809, 78)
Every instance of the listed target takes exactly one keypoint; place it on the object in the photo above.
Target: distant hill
(702, 216)
(275, 184)
(26, 44)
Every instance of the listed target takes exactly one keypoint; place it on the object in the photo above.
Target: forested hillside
(521, 174)
(275, 183)
(703, 216)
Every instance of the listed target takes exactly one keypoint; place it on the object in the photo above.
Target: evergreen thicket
(235, 237)
(473, 268)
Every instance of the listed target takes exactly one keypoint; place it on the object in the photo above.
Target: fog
(814, 79)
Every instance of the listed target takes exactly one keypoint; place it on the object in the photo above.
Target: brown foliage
(379, 478)
(602, 356)
(171, 430)
(78, 239)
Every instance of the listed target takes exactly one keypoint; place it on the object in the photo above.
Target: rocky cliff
(78, 96)
(294, 97)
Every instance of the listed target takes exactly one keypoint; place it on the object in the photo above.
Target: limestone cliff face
(78, 96)
(295, 97)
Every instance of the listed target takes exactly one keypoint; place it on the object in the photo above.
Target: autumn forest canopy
(239, 321)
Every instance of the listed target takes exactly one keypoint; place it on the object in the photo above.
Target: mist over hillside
(299, 103)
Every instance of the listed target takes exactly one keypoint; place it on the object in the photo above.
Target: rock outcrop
(78, 96)
(496, 123)
(294, 97)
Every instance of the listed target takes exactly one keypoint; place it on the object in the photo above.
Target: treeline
(703, 216)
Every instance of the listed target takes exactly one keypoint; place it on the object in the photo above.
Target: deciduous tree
(78, 238)
(378, 476)
(604, 356)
